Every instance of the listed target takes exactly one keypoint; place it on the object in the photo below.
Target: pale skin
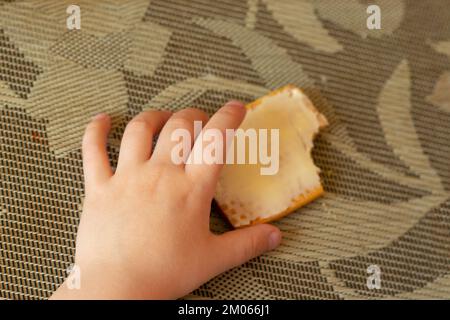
(144, 230)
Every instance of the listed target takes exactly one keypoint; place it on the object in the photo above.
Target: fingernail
(235, 104)
(274, 239)
(100, 116)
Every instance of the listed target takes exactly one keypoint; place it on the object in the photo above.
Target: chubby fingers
(96, 165)
(229, 116)
(182, 120)
(236, 247)
(137, 140)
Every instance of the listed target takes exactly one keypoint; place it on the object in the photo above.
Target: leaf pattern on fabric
(146, 54)
(16, 70)
(394, 108)
(441, 93)
(352, 15)
(442, 47)
(107, 52)
(34, 43)
(400, 261)
(68, 95)
(299, 19)
(384, 158)
(276, 67)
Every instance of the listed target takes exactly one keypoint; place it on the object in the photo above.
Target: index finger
(229, 116)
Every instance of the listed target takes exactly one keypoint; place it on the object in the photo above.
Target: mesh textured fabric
(385, 157)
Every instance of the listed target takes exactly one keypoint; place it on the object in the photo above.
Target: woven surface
(385, 158)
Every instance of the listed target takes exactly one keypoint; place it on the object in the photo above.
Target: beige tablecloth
(385, 158)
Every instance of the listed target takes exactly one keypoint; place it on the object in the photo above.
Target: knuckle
(251, 250)
(194, 113)
(150, 112)
(181, 122)
(190, 110)
(94, 125)
(138, 124)
(200, 113)
(228, 112)
(92, 128)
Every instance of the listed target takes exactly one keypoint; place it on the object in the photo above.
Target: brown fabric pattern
(385, 157)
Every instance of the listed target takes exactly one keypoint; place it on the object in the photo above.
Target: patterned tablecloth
(385, 157)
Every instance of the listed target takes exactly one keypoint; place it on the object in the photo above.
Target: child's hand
(144, 230)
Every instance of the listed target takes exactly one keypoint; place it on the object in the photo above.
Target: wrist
(104, 284)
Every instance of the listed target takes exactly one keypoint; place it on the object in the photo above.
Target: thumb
(237, 247)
